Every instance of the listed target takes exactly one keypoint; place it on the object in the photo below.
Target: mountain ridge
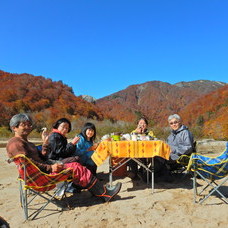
(155, 99)
(48, 100)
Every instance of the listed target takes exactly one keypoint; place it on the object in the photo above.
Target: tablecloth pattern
(130, 149)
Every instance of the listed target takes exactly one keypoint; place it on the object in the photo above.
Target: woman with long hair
(86, 146)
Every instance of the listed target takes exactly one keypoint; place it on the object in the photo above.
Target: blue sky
(99, 47)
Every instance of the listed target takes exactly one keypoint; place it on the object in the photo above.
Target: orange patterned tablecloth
(130, 149)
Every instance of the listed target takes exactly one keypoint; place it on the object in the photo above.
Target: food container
(116, 136)
(134, 137)
(126, 137)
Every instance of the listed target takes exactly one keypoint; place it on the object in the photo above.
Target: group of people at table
(56, 153)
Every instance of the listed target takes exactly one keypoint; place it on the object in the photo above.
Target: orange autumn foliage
(43, 98)
(212, 109)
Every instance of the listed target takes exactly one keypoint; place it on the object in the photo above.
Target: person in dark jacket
(181, 139)
(59, 148)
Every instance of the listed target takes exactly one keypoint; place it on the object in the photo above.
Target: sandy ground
(135, 206)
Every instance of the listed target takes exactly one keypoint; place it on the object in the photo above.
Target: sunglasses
(175, 122)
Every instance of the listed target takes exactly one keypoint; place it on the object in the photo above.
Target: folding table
(131, 150)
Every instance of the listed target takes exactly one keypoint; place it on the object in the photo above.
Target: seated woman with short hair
(180, 139)
(59, 148)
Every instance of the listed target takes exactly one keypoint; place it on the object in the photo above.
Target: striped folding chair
(34, 183)
(213, 171)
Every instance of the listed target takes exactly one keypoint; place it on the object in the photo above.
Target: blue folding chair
(211, 170)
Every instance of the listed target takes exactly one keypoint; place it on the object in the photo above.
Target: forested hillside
(202, 104)
(44, 99)
(210, 112)
(155, 99)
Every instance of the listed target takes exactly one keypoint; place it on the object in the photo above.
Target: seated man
(21, 125)
(180, 140)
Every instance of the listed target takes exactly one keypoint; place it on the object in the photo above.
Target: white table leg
(152, 174)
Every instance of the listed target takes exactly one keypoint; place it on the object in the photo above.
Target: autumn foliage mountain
(44, 99)
(210, 112)
(201, 103)
(156, 100)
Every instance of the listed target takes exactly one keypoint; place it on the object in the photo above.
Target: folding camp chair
(35, 183)
(211, 170)
(182, 162)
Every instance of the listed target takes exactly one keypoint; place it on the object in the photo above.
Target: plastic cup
(116, 137)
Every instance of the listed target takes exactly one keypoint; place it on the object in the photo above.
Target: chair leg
(41, 208)
(51, 199)
(214, 186)
(194, 186)
(215, 189)
(25, 202)
(23, 199)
